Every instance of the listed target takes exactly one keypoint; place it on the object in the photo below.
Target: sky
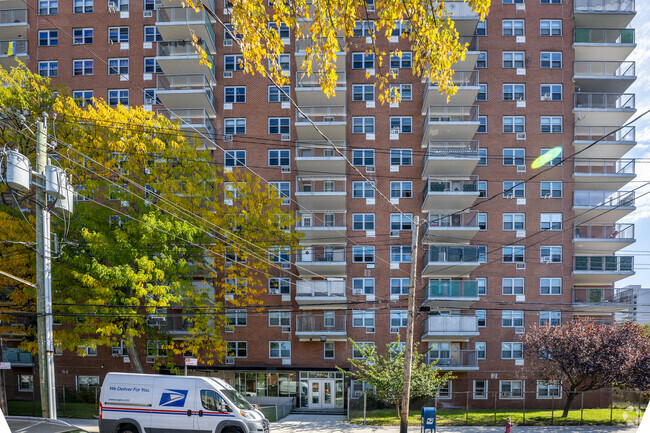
(641, 217)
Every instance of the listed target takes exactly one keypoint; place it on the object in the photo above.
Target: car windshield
(237, 399)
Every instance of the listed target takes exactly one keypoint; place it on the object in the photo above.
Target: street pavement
(337, 424)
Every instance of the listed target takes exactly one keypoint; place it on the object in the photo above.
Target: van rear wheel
(128, 428)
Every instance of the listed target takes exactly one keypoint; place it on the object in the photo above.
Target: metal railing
(603, 295)
(603, 263)
(459, 9)
(322, 113)
(604, 133)
(20, 47)
(454, 358)
(318, 148)
(189, 117)
(322, 253)
(603, 166)
(618, 231)
(320, 323)
(452, 149)
(463, 78)
(303, 44)
(605, 101)
(450, 184)
(454, 220)
(451, 289)
(185, 82)
(603, 6)
(603, 198)
(603, 36)
(593, 68)
(313, 81)
(452, 113)
(185, 16)
(452, 254)
(13, 16)
(320, 184)
(324, 288)
(306, 220)
(453, 325)
(16, 356)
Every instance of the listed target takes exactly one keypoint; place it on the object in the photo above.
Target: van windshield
(236, 398)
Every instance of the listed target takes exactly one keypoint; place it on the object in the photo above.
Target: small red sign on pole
(191, 362)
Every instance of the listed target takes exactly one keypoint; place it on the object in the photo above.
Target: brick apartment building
(538, 74)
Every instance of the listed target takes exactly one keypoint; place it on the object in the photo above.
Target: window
(512, 318)
(551, 124)
(552, 60)
(83, 6)
(514, 156)
(512, 350)
(363, 319)
(279, 318)
(555, 161)
(399, 286)
(118, 66)
(513, 59)
(283, 31)
(512, 286)
(87, 381)
(550, 254)
(118, 35)
(481, 349)
(482, 221)
(149, 5)
(279, 158)
(481, 61)
(481, 28)
(48, 38)
(275, 95)
(482, 125)
(150, 97)
(363, 254)
(514, 189)
(551, 189)
(236, 349)
(280, 254)
(512, 27)
(481, 286)
(401, 189)
(550, 318)
(118, 96)
(151, 66)
(361, 348)
(235, 126)
(363, 221)
(514, 92)
(480, 390)
(400, 28)
(405, 91)
(551, 2)
(401, 124)
(279, 125)
(363, 157)
(156, 348)
(328, 350)
(362, 61)
(550, 92)
(482, 189)
(283, 189)
(151, 34)
(25, 383)
(482, 92)
(363, 125)
(279, 286)
(513, 254)
(233, 62)
(234, 158)
(511, 389)
(235, 94)
(122, 5)
(237, 317)
(400, 221)
(550, 286)
(398, 318)
(82, 36)
(363, 190)
(48, 7)
(444, 392)
(514, 221)
(401, 157)
(440, 351)
(550, 389)
(550, 221)
(82, 97)
(400, 253)
(363, 286)
(511, 2)
(279, 349)
(283, 61)
(481, 318)
(403, 61)
(514, 124)
(363, 92)
(363, 28)
(550, 27)
(48, 68)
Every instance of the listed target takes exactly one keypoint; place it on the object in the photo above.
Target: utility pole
(410, 316)
(44, 282)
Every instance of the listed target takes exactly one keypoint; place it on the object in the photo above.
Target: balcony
(451, 261)
(179, 24)
(330, 119)
(456, 360)
(321, 261)
(309, 93)
(321, 193)
(445, 228)
(320, 294)
(318, 157)
(19, 52)
(465, 19)
(447, 122)
(321, 327)
(449, 328)
(603, 13)
(17, 357)
(471, 54)
(611, 145)
(613, 77)
(183, 3)
(596, 109)
(301, 53)
(185, 91)
(321, 228)
(450, 157)
(602, 238)
(593, 301)
(601, 270)
(449, 193)
(603, 43)
(599, 174)
(467, 83)
(180, 57)
(460, 294)
(602, 206)
(13, 23)
(193, 120)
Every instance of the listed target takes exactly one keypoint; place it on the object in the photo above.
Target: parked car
(28, 424)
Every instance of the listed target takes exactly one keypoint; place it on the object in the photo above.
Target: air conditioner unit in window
(328, 118)
(227, 137)
(521, 266)
(150, 360)
(394, 233)
(370, 169)
(286, 329)
(519, 330)
(394, 71)
(227, 74)
(370, 8)
(230, 360)
(230, 328)
(394, 130)
(112, 7)
(286, 169)
(510, 195)
(549, 195)
(370, 330)
(227, 42)
(521, 168)
(117, 351)
(156, 321)
(546, 97)
(357, 291)
(147, 14)
(521, 136)
(286, 265)
(546, 260)
(286, 137)
(394, 330)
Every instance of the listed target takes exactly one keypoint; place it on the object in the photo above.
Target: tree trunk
(134, 357)
(570, 396)
(399, 412)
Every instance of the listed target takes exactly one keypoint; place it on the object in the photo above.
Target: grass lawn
(72, 410)
(486, 417)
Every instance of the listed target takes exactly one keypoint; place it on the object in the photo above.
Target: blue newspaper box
(428, 419)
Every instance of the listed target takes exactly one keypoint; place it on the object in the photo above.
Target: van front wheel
(231, 430)
(129, 428)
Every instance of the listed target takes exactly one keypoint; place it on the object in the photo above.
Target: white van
(150, 403)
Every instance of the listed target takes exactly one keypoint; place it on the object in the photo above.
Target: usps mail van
(149, 403)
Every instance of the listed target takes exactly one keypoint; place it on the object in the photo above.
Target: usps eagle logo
(173, 397)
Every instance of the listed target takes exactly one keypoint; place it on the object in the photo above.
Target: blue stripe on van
(163, 412)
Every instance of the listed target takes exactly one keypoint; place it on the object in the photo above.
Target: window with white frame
(482, 157)
(236, 317)
(275, 95)
(233, 62)
(549, 389)
(401, 124)
(482, 221)
(151, 66)
(82, 6)
(363, 92)
(83, 98)
(234, 94)
(363, 221)
(399, 286)
(550, 59)
(328, 350)
(482, 92)
(550, 318)
(279, 349)
(279, 125)
(514, 189)
(363, 189)
(401, 189)
(279, 286)
(480, 389)
(283, 189)
(149, 5)
(444, 392)
(481, 61)
(82, 36)
(401, 157)
(512, 350)
(398, 318)
(363, 318)
(279, 158)
(481, 28)
(511, 389)
(482, 125)
(361, 348)
(363, 28)
(512, 318)
(87, 381)
(512, 27)
(363, 254)
(279, 318)
(512, 286)
(400, 253)
(550, 286)
(237, 349)
(25, 382)
(118, 66)
(551, 2)
(555, 161)
(363, 286)
(405, 91)
(481, 286)
(550, 27)
(550, 221)
(513, 59)
(118, 35)
(283, 61)
(513, 254)
(235, 126)
(363, 61)
(550, 92)
(400, 221)
(280, 254)
(514, 124)
(551, 189)
(482, 189)
(403, 60)
(234, 158)
(118, 96)
(152, 34)
(156, 348)
(363, 125)
(552, 254)
(363, 157)
(514, 221)
(48, 38)
(514, 156)
(481, 349)
(283, 31)
(400, 28)
(122, 5)
(48, 68)
(440, 351)
(550, 124)
(481, 318)
(514, 92)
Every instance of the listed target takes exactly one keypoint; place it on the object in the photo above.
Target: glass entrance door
(321, 394)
